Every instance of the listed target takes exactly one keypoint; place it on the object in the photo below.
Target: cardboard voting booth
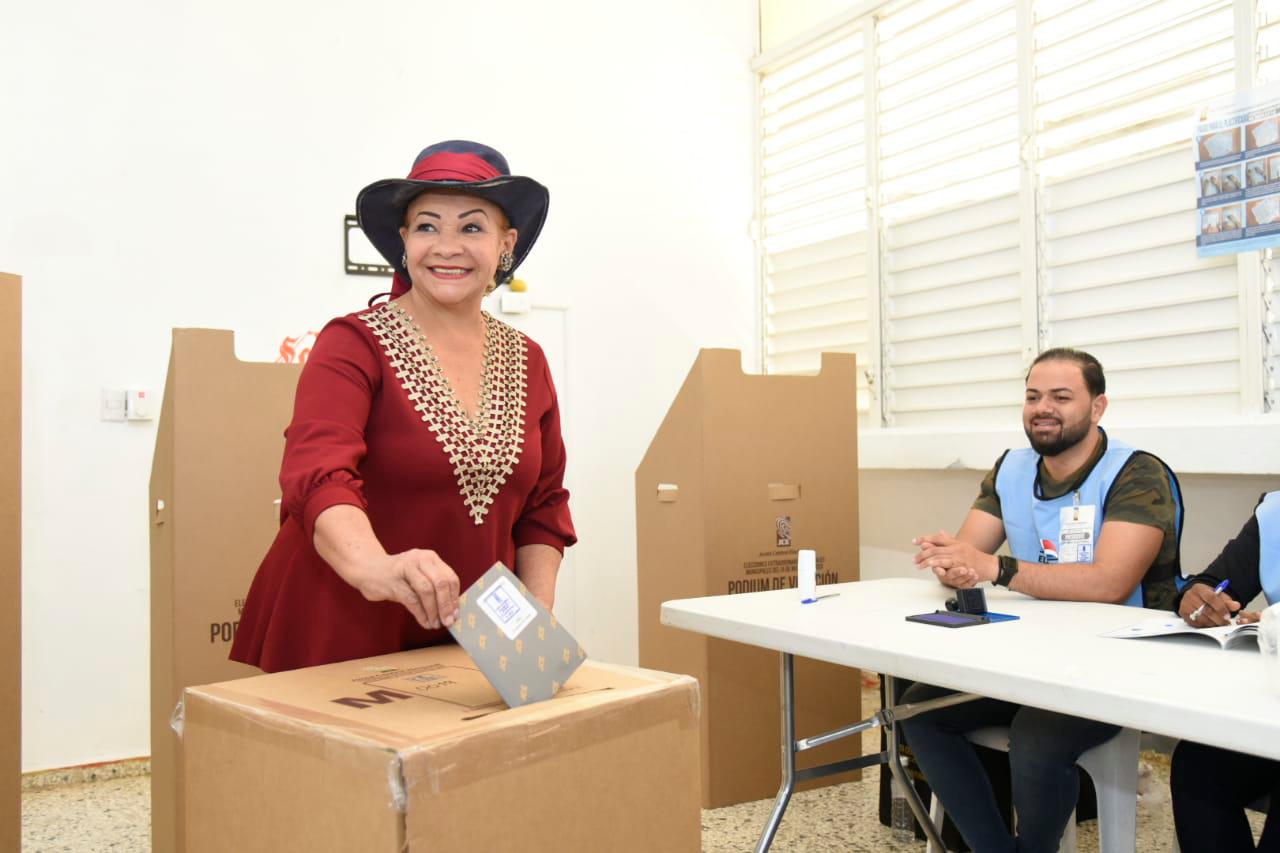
(10, 561)
(213, 515)
(416, 752)
(744, 472)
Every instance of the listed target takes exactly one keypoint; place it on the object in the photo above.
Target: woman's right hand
(418, 579)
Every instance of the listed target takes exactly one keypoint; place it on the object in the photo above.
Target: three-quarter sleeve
(545, 518)
(325, 441)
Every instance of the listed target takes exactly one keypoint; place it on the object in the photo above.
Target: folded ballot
(518, 644)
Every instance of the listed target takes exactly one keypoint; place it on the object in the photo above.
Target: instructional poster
(1238, 175)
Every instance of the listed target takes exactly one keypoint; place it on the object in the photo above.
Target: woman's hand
(1201, 607)
(418, 579)
(425, 584)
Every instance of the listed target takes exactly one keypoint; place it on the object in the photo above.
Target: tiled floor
(114, 815)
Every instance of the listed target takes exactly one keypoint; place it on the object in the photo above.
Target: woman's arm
(418, 579)
(537, 567)
(1237, 564)
(545, 528)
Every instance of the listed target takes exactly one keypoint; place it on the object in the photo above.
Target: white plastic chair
(1113, 767)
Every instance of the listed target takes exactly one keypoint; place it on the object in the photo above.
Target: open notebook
(518, 644)
(1227, 636)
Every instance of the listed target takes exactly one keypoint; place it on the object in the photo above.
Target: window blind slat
(986, 291)
(818, 296)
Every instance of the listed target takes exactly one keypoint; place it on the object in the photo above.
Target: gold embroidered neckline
(484, 447)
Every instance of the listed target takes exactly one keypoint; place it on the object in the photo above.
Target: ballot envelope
(519, 645)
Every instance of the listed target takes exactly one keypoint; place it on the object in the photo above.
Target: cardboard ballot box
(213, 486)
(416, 752)
(744, 472)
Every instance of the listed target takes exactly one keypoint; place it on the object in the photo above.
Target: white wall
(782, 20)
(188, 164)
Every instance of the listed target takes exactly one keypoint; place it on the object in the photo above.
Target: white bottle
(807, 575)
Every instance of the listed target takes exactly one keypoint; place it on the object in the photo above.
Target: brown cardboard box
(213, 484)
(744, 471)
(10, 561)
(416, 752)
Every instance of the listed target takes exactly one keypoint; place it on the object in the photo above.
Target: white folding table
(1052, 657)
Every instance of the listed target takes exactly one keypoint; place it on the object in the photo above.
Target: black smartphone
(946, 619)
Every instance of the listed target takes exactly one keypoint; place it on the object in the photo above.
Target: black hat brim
(380, 210)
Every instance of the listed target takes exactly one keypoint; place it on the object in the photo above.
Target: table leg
(933, 833)
(888, 717)
(788, 754)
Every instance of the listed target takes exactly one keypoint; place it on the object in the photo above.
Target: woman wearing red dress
(425, 441)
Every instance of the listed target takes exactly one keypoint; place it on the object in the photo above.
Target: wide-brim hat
(453, 165)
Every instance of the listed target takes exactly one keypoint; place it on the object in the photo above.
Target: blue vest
(1268, 515)
(1031, 523)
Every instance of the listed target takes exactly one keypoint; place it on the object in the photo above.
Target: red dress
(376, 425)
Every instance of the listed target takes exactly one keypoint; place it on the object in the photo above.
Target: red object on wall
(296, 350)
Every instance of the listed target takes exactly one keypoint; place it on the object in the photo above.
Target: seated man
(1212, 786)
(1087, 519)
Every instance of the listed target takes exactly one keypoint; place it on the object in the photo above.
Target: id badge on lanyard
(1075, 532)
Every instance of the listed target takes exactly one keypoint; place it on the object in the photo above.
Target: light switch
(113, 404)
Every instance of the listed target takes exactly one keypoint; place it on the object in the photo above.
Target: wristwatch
(1008, 568)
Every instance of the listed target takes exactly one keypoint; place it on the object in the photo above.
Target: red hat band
(450, 166)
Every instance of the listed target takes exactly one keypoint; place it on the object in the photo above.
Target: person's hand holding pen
(1203, 607)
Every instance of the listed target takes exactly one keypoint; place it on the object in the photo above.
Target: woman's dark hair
(1089, 366)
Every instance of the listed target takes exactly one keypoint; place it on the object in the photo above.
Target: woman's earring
(506, 261)
(404, 260)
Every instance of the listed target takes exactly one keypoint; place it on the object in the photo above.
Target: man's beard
(1069, 435)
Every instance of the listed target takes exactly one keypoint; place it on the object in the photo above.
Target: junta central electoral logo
(783, 528)
(1048, 551)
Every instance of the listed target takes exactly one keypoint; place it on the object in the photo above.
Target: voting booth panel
(11, 561)
(416, 751)
(743, 472)
(212, 517)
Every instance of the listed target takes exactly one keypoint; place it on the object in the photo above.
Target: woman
(425, 442)
(1211, 786)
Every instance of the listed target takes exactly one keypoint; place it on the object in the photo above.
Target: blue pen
(1195, 614)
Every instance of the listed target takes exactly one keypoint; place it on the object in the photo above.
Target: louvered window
(1117, 86)
(1268, 55)
(1028, 182)
(813, 217)
(948, 117)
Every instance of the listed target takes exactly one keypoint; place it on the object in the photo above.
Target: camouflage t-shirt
(1141, 494)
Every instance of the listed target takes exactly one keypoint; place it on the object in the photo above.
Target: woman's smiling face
(452, 244)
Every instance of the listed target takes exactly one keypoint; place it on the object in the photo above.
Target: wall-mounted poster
(1238, 174)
